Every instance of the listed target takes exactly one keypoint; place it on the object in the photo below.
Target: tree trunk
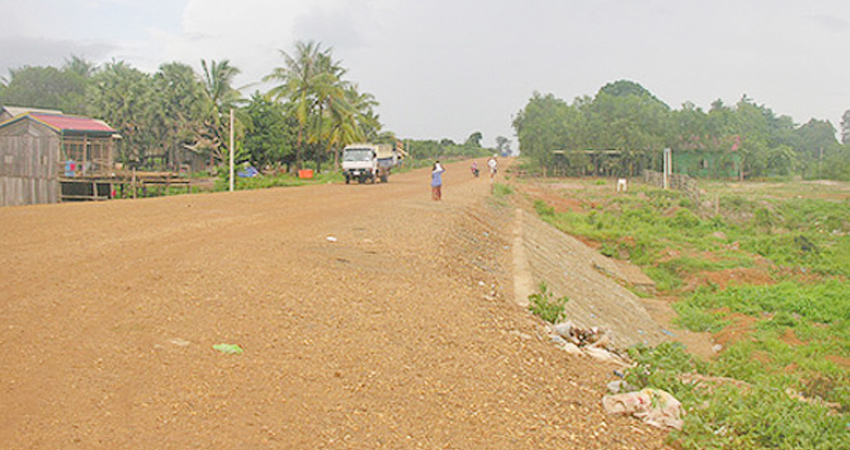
(298, 151)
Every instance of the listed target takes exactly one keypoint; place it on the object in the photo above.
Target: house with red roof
(44, 154)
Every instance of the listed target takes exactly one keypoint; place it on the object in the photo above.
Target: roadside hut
(41, 151)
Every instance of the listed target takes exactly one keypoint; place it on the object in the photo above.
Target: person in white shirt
(437, 181)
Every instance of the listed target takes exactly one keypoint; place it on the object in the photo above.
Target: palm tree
(218, 85)
(329, 109)
(363, 104)
(309, 79)
(80, 66)
(340, 126)
(330, 102)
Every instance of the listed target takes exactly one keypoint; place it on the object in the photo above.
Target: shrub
(544, 306)
(543, 209)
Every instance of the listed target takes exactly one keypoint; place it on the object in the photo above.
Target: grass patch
(502, 190)
(797, 338)
(668, 237)
(721, 415)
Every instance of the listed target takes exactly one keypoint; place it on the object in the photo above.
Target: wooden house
(44, 154)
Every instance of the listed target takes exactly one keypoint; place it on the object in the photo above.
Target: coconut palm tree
(330, 110)
(299, 79)
(330, 102)
(363, 104)
(218, 85)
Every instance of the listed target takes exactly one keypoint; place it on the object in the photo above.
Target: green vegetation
(177, 117)
(276, 180)
(501, 193)
(784, 382)
(623, 129)
(543, 305)
(672, 239)
(446, 148)
(501, 190)
(754, 413)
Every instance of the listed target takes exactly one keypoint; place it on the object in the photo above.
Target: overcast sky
(448, 68)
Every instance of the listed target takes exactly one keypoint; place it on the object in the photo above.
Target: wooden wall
(29, 165)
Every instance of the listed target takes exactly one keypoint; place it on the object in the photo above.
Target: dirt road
(397, 333)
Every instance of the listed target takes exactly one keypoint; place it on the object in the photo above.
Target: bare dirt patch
(699, 344)
(790, 338)
(554, 197)
(728, 277)
(843, 361)
(740, 327)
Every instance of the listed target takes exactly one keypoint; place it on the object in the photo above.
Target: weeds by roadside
(544, 305)
(783, 379)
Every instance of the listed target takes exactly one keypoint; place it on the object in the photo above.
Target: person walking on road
(437, 181)
(492, 165)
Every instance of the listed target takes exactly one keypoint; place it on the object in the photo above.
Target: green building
(707, 163)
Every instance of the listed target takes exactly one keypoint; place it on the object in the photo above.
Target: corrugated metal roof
(65, 123)
(18, 110)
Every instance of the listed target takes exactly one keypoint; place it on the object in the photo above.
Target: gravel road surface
(369, 317)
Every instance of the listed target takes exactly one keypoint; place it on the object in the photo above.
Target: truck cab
(360, 162)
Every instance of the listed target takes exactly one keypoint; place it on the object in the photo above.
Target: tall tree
(331, 109)
(299, 80)
(474, 140)
(185, 106)
(45, 87)
(814, 141)
(124, 97)
(547, 124)
(80, 66)
(218, 80)
(363, 106)
(270, 135)
(845, 127)
(503, 145)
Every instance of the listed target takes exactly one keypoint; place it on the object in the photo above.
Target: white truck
(369, 162)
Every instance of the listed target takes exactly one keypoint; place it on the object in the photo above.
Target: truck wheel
(347, 179)
(384, 178)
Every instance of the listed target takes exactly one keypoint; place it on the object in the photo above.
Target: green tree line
(471, 148)
(626, 120)
(310, 112)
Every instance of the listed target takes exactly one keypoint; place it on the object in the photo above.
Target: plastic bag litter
(654, 406)
(231, 349)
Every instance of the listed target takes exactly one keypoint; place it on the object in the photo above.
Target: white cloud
(447, 68)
